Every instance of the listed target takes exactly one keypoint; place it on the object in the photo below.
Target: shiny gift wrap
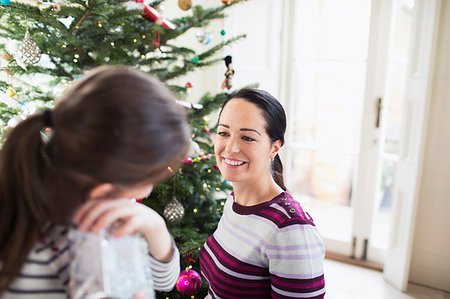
(104, 266)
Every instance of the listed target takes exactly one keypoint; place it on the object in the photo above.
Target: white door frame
(414, 127)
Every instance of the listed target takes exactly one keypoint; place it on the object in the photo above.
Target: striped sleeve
(45, 272)
(165, 275)
(296, 254)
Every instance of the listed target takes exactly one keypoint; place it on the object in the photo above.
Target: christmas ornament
(188, 87)
(228, 74)
(5, 2)
(150, 13)
(228, 2)
(194, 149)
(204, 37)
(189, 105)
(173, 212)
(185, 4)
(223, 32)
(189, 282)
(28, 52)
(196, 59)
(10, 92)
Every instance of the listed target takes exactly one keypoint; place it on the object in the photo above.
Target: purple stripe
(231, 261)
(295, 247)
(299, 285)
(225, 286)
(295, 256)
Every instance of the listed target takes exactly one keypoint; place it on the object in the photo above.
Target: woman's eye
(223, 134)
(247, 138)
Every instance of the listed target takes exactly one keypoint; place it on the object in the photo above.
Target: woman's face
(242, 147)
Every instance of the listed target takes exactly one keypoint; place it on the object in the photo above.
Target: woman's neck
(247, 195)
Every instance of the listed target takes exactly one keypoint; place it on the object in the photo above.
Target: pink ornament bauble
(189, 282)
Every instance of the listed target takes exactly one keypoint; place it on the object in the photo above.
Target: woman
(266, 245)
(111, 138)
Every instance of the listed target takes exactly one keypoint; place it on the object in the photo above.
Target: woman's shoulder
(290, 210)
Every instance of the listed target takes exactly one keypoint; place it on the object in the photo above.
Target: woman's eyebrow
(242, 129)
(253, 130)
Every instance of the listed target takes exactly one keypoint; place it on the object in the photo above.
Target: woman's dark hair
(116, 125)
(275, 118)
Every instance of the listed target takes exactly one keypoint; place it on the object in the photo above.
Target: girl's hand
(97, 214)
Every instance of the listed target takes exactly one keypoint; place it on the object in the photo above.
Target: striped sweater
(45, 274)
(270, 250)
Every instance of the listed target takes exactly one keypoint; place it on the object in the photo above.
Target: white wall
(430, 262)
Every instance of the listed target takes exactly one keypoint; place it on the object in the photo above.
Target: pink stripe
(273, 215)
(240, 267)
(297, 285)
(215, 279)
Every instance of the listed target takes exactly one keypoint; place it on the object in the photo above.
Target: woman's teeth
(232, 162)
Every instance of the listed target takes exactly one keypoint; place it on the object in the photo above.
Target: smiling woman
(266, 245)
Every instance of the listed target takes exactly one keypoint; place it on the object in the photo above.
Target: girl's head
(258, 122)
(116, 127)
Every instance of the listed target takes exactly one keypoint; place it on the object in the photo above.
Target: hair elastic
(47, 117)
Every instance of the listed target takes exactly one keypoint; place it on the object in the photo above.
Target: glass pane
(392, 118)
(323, 185)
(335, 29)
(382, 217)
(331, 43)
(328, 108)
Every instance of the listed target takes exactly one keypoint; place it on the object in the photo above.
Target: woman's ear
(276, 145)
(101, 191)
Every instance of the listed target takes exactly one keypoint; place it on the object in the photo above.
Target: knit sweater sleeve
(165, 275)
(295, 253)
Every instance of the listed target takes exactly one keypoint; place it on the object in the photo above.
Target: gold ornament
(173, 212)
(28, 52)
(228, 2)
(10, 92)
(185, 4)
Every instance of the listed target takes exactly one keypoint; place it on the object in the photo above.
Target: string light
(112, 44)
(76, 56)
(100, 24)
(195, 210)
(144, 36)
(135, 40)
(209, 170)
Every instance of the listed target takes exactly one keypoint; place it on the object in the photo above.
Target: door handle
(378, 112)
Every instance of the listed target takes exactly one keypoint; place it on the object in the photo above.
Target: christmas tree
(47, 45)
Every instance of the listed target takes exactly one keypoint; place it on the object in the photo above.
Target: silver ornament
(173, 212)
(28, 52)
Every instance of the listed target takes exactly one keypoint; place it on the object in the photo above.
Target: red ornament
(153, 15)
(189, 282)
(188, 85)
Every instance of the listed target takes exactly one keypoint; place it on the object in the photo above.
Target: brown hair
(116, 125)
(273, 113)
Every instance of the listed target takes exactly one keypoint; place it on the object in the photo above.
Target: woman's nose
(232, 146)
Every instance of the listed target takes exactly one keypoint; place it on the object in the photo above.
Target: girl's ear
(101, 191)
(276, 145)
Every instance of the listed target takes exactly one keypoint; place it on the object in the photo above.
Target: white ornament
(194, 149)
(28, 52)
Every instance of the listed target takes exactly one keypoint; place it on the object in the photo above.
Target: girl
(111, 138)
(266, 245)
